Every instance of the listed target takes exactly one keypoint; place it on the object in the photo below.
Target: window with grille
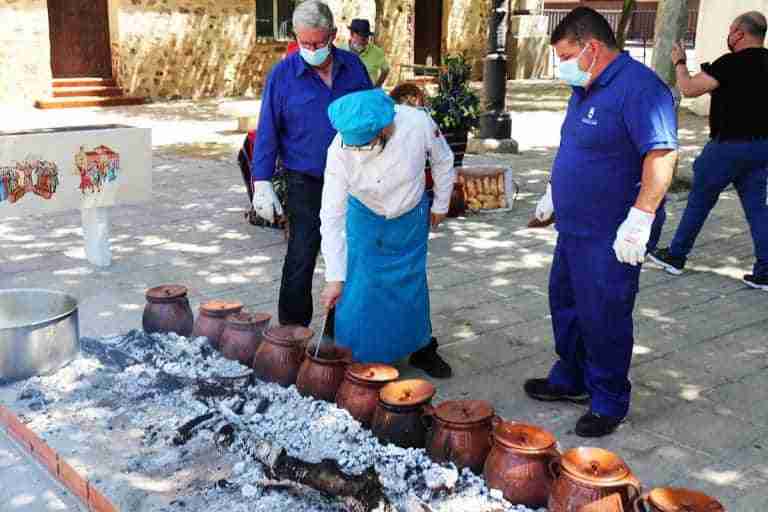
(273, 18)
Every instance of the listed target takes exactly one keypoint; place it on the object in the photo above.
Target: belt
(740, 140)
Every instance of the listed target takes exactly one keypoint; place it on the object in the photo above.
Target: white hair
(313, 14)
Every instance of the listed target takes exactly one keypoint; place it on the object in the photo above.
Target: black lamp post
(496, 122)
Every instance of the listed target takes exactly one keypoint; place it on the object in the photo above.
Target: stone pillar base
(481, 146)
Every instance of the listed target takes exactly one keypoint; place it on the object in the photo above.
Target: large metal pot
(39, 332)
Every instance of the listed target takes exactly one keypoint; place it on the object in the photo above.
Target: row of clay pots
(520, 460)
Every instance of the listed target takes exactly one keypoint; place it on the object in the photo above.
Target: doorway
(428, 32)
(79, 31)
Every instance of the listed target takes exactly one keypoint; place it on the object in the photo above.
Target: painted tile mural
(29, 176)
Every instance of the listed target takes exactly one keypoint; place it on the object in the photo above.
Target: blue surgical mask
(315, 57)
(571, 74)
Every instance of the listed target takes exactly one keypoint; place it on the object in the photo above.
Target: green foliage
(455, 107)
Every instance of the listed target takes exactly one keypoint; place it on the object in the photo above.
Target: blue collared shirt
(608, 129)
(294, 123)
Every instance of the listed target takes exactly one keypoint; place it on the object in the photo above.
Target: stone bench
(246, 112)
(90, 168)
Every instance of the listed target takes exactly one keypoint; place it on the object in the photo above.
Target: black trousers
(304, 195)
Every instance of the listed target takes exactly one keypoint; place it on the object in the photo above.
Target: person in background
(294, 126)
(372, 56)
(737, 152)
(292, 47)
(375, 221)
(615, 162)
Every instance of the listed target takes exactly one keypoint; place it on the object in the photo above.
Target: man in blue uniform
(615, 163)
(294, 125)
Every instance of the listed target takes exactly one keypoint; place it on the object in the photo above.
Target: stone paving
(698, 416)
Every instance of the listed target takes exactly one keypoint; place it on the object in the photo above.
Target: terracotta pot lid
(521, 436)
(594, 465)
(221, 307)
(670, 499)
(244, 318)
(373, 372)
(167, 291)
(464, 411)
(289, 334)
(407, 392)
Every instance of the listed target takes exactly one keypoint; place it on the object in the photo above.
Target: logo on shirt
(590, 118)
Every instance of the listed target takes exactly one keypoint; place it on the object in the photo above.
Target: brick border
(81, 488)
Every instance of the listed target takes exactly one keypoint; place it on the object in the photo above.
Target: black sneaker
(758, 282)
(666, 261)
(429, 360)
(596, 425)
(541, 389)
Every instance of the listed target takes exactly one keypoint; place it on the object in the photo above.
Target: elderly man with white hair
(294, 126)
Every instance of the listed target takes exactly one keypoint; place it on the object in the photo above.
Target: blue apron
(383, 314)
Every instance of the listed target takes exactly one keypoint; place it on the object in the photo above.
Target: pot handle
(428, 416)
(632, 482)
(554, 453)
(640, 500)
(496, 420)
(554, 467)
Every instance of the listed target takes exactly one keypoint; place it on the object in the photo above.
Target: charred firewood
(358, 493)
(185, 432)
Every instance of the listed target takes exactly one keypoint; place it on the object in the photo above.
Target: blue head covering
(360, 116)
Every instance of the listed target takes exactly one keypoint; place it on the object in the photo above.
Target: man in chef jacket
(375, 219)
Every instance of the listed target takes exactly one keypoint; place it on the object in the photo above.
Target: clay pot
(320, 376)
(280, 354)
(398, 418)
(460, 432)
(359, 391)
(587, 475)
(242, 336)
(211, 319)
(518, 464)
(167, 310)
(670, 499)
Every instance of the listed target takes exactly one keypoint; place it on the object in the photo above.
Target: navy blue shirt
(294, 123)
(608, 129)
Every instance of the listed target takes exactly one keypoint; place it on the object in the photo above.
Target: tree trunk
(671, 25)
(627, 11)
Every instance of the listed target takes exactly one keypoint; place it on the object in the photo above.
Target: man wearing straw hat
(375, 220)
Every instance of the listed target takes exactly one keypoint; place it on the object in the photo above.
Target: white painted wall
(715, 17)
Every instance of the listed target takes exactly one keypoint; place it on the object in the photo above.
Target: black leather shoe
(541, 389)
(429, 360)
(596, 425)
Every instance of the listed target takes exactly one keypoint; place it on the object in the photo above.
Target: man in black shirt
(737, 152)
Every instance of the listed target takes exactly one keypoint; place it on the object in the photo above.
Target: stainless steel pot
(39, 332)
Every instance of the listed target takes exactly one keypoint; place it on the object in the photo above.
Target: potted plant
(456, 107)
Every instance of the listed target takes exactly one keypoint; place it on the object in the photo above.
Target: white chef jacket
(389, 182)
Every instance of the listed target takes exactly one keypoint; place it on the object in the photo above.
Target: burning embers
(307, 444)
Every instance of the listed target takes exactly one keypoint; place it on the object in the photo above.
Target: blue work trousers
(591, 297)
(745, 165)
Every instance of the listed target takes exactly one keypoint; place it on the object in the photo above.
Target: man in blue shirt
(612, 170)
(294, 125)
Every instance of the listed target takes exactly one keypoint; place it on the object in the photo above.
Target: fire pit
(223, 441)
(38, 332)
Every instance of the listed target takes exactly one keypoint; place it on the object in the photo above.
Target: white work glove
(265, 201)
(544, 208)
(632, 237)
